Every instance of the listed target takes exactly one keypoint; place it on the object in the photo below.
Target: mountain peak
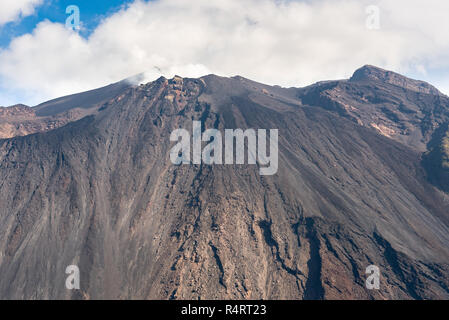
(373, 73)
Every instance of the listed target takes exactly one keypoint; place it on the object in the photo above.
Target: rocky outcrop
(386, 102)
(371, 73)
(436, 160)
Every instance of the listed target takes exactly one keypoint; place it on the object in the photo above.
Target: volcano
(362, 180)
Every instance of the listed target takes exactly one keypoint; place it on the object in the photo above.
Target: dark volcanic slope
(84, 100)
(21, 120)
(102, 193)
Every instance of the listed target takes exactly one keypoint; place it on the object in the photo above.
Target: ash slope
(102, 193)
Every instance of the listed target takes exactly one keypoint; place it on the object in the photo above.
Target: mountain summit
(358, 185)
(372, 73)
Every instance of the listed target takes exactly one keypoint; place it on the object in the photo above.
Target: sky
(283, 42)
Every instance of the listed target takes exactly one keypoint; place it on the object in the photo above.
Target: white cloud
(11, 10)
(290, 43)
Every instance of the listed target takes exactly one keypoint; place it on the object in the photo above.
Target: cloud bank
(11, 10)
(289, 43)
